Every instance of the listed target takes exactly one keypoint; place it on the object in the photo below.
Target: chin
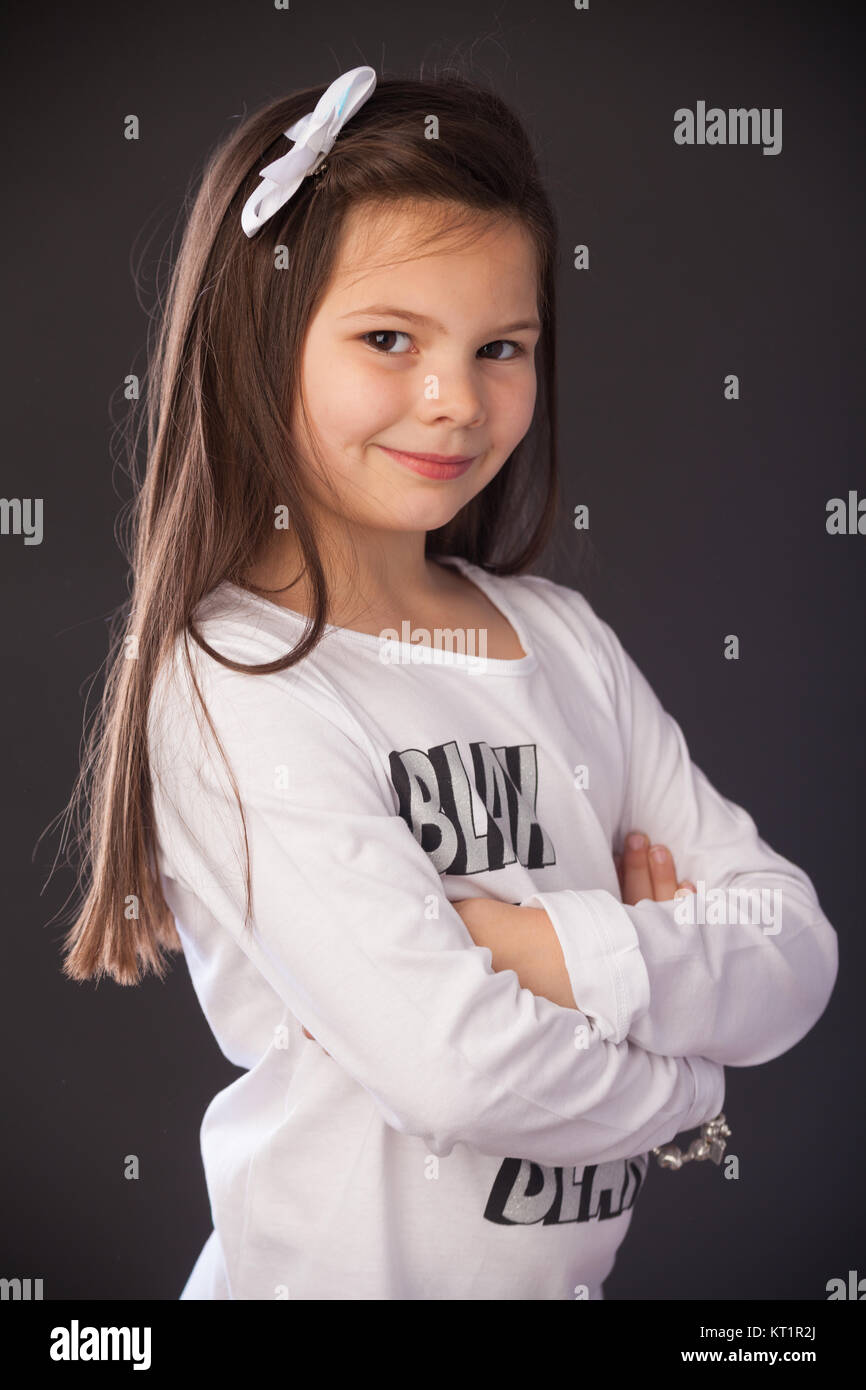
(440, 510)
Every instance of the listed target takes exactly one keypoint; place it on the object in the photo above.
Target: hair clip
(314, 135)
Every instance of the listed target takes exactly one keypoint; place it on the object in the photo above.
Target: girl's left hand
(643, 873)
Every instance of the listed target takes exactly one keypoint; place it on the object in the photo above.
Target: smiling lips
(433, 465)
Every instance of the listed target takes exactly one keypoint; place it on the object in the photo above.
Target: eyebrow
(410, 317)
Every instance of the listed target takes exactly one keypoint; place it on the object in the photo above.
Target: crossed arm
(522, 939)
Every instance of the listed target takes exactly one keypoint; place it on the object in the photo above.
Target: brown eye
(384, 333)
(519, 349)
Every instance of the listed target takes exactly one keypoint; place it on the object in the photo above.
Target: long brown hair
(222, 379)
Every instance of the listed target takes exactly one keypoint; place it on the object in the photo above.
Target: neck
(370, 574)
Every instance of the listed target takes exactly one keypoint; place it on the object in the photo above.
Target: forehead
(422, 242)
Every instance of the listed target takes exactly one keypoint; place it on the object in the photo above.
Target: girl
(376, 798)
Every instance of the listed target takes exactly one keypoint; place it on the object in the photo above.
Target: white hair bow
(314, 135)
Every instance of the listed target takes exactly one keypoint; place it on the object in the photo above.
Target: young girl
(381, 798)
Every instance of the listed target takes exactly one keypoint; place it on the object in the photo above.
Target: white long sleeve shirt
(465, 1138)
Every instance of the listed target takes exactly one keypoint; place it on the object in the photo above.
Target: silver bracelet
(711, 1144)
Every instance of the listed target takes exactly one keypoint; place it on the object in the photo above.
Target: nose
(452, 395)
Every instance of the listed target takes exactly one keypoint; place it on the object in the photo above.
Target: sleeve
(352, 929)
(738, 972)
(606, 969)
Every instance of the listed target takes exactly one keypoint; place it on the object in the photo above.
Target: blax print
(435, 800)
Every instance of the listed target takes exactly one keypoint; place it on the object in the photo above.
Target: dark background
(707, 518)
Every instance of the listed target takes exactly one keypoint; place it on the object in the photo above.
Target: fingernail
(659, 854)
(636, 841)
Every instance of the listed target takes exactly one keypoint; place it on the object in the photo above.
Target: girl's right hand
(312, 1039)
(642, 876)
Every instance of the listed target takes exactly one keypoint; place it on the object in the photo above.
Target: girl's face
(444, 365)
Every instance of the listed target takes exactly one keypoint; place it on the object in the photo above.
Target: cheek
(353, 401)
(515, 405)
